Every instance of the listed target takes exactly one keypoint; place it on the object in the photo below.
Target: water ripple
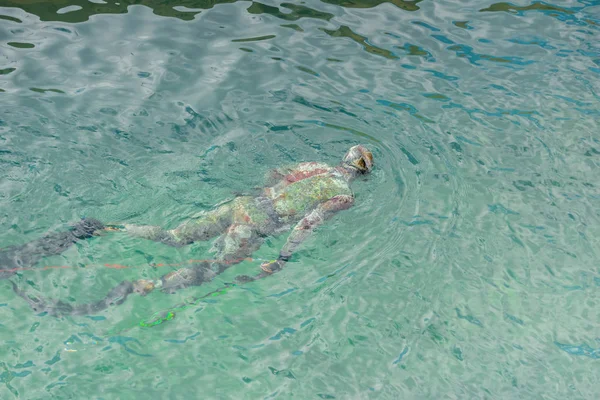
(466, 268)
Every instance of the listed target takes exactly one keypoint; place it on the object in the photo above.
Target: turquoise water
(467, 269)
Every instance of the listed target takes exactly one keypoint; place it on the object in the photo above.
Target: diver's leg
(24, 256)
(238, 243)
(234, 246)
(205, 227)
(115, 296)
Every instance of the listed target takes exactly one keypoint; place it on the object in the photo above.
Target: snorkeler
(303, 196)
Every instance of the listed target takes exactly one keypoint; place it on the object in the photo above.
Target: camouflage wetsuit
(304, 195)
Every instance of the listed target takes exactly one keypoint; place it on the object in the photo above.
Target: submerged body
(302, 197)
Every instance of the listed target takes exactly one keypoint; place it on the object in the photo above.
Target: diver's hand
(272, 266)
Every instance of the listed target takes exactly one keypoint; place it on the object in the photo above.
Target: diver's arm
(305, 228)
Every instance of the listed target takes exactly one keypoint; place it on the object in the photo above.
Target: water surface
(467, 269)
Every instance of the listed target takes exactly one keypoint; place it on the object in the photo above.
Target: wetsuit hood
(359, 158)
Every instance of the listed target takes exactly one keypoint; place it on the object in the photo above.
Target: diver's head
(358, 159)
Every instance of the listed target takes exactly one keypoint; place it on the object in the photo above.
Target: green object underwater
(167, 315)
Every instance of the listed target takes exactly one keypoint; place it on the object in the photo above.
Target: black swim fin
(14, 258)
